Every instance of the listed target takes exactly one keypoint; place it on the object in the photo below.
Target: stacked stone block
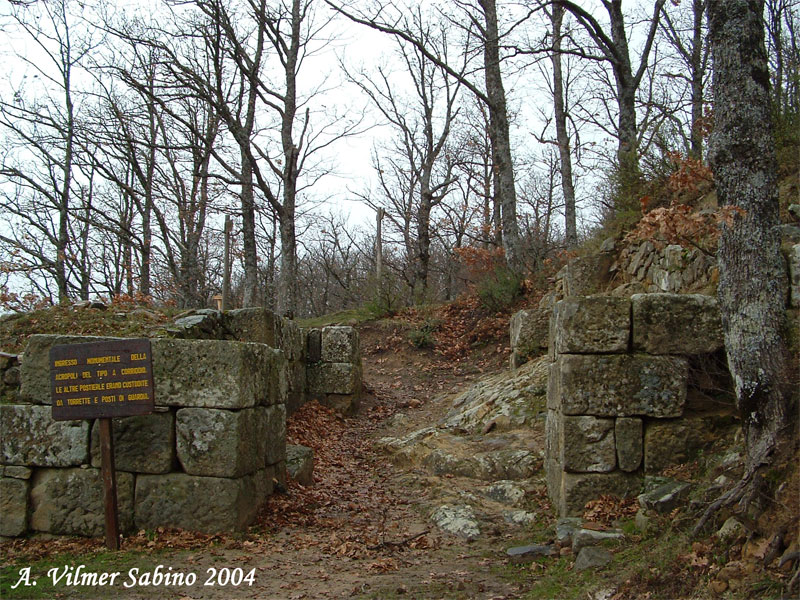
(334, 373)
(9, 377)
(618, 390)
(205, 460)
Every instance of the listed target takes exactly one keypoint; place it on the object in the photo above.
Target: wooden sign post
(102, 380)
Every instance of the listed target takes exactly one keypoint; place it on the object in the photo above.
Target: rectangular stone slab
(212, 373)
(206, 504)
(144, 444)
(676, 324)
(588, 445)
(30, 437)
(70, 502)
(333, 378)
(340, 344)
(576, 489)
(13, 506)
(620, 385)
(595, 324)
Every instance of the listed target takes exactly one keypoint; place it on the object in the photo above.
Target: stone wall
(334, 371)
(205, 460)
(622, 397)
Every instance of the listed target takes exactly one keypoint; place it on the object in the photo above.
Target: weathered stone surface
(300, 464)
(457, 520)
(588, 445)
(505, 492)
(202, 324)
(576, 489)
(346, 404)
(529, 332)
(274, 434)
(221, 443)
(585, 275)
(13, 506)
(665, 497)
(581, 538)
(11, 377)
(290, 339)
(212, 373)
(628, 432)
(592, 557)
(523, 554)
(505, 401)
(597, 324)
(70, 501)
(278, 378)
(488, 466)
(333, 378)
(566, 528)
(731, 530)
(207, 504)
(620, 385)
(252, 325)
(553, 441)
(30, 437)
(673, 442)
(16, 472)
(314, 345)
(794, 276)
(676, 324)
(35, 368)
(296, 371)
(144, 444)
(340, 344)
(520, 518)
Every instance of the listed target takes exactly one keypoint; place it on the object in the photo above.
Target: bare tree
(752, 278)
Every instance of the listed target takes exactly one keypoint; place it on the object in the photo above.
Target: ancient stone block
(221, 443)
(211, 373)
(300, 464)
(207, 504)
(586, 275)
(576, 489)
(35, 368)
(70, 501)
(628, 435)
(340, 345)
(143, 444)
(30, 437)
(529, 331)
(314, 345)
(333, 378)
(673, 442)
(553, 389)
(597, 324)
(290, 339)
(16, 472)
(588, 445)
(252, 325)
(13, 506)
(676, 324)
(274, 434)
(202, 324)
(278, 378)
(621, 385)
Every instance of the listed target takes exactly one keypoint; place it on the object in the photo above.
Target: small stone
(592, 557)
(565, 528)
(300, 464)
(523, 554)
(583, 538)
(519, 517)
(665, 497)
(731, 530)
(505, 492)
(642, 521)
(716, 586)
(457, 520)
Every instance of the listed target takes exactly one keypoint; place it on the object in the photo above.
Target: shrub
(499, 290)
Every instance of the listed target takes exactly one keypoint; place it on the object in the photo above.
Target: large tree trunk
(752, 286)
(501, 139)
(562, 137)
(250, 291)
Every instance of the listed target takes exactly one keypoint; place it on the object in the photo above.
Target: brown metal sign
(100, 380)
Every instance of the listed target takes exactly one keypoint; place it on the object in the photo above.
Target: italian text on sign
(101, 379)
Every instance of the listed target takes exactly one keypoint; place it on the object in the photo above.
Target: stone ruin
(623, 398)
(205, 460)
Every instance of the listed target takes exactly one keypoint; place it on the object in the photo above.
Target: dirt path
(363, 529)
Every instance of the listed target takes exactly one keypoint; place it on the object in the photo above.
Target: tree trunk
(752, 286)
(505, 191)
(562, 137)
(250, 285)
(698, 71)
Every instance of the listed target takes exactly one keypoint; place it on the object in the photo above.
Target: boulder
(70, 502)
(30, 437)
(596, 324)
(457, 520)
(143, 444)
(676, 324)
(665, 497)
(300, 464)
(206, 504)
(13, 506)
(618, 385)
